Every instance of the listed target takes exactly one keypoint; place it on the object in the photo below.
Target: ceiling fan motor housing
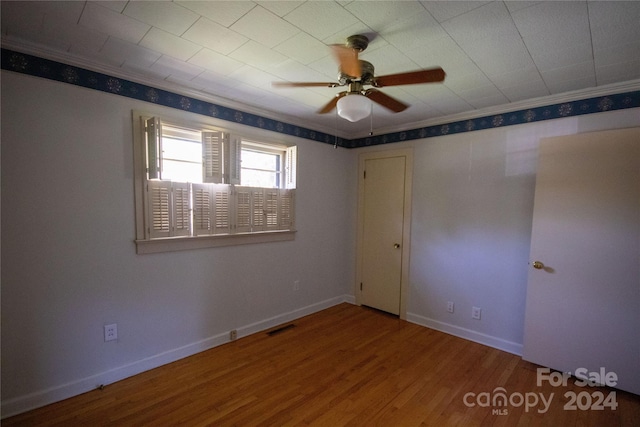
(365, 78)
(358, 42)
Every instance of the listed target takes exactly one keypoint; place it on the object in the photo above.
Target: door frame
(407, 153)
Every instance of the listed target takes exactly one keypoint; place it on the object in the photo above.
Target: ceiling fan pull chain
(335, 145)
(371, 121)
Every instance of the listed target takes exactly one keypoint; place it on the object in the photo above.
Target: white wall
(471, 225)
(69, 264)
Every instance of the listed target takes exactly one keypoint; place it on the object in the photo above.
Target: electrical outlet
(450, 306)
(475, 313)
(111, 332)
(296, 285)
(233, 335)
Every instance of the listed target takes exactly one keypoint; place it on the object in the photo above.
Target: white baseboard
(288, 317)
(351, 299)
(54, 394)
(468, 334)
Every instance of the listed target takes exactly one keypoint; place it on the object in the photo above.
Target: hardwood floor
(346, 365)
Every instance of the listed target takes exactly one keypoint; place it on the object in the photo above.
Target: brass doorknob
(396, 245)
(538, 265)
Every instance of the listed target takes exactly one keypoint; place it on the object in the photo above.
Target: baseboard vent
(280, 329)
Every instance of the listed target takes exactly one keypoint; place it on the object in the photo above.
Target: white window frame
(192, 219)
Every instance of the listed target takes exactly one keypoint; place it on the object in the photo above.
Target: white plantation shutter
(159, 212)
(286, 215)
(290, 167)
(222, 213)
(181, 198)
(233, 160)
(212, 156)
(153, 131)
(203, 208)
(169, 209)
(264, 209)
(243, 209)
(271, 208)
(258, 220)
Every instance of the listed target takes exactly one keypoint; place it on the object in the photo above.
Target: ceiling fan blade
(385, 100)
(331, 104)
(348, 60)
(423, 76)
(304, 84)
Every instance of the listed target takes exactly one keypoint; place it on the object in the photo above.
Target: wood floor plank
(344, 366)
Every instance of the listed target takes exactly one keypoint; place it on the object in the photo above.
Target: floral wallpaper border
(48, 69)
(549, 112)
(40, 67)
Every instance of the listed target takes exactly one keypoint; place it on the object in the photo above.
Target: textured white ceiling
(494, 53)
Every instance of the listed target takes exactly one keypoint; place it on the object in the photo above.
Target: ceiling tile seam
(190, 26)
(480, 4)
(170, 31)
(84, 7)
(468, 56)
(249, 40)
(151, 27)
(102, 48)
(104, 43)
(195, 53)
(245, 14)
(227, 27)
(329, 36)
(108, 36)
(286, 40)
(61, 72)
(528, 53)
(593, 56)
(533, 4)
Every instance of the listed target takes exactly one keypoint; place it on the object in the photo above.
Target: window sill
(172, 244)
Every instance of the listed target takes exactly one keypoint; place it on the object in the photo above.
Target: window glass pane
(255, 160)
(261, 168)
(182, 150)
(181, 155)
(256, 178)
(178, 171)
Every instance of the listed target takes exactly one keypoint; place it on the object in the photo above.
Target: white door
(383, 246)
(583, 295)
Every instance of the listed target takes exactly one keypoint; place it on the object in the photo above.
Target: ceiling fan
(354, 103)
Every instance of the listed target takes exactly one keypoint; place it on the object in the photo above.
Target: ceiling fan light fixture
(354, 107)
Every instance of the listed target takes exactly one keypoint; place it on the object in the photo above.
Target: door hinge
(365, 175)
(360, 285)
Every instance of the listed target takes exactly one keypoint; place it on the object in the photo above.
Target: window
(261, 166)
(205, 184)
(181, 154)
